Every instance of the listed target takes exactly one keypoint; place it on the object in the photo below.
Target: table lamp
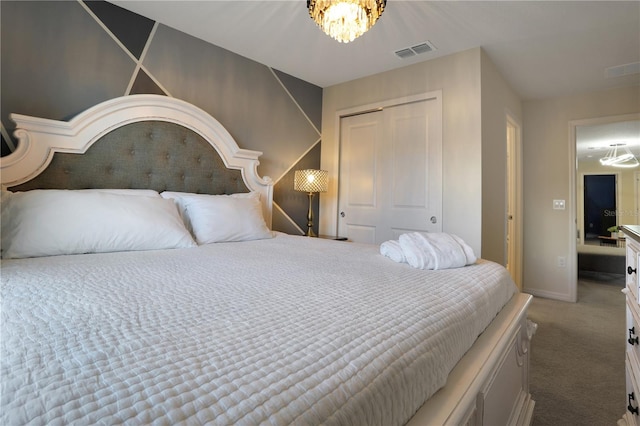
(311, 181)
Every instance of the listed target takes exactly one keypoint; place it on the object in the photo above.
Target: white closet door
(391, 172)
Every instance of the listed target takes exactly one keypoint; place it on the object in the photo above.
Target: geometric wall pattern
(60, 58)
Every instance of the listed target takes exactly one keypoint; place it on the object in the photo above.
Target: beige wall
(548, 175)
(459, 78)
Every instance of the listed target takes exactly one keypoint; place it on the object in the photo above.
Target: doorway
(591, 140)
(636, 184)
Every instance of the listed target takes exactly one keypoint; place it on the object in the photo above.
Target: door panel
(409, 163)
(361, 169)
(359, 177)
(361, 234)
(512, 188)
(390, 172)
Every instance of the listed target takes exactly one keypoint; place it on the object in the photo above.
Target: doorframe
(572, 260)
(435, 95)
(515, 197)
(636, 188)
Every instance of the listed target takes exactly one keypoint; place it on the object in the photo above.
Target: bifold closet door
(391, 172)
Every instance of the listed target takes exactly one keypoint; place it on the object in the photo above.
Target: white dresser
(632, 414)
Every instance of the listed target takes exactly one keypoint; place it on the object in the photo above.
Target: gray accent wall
(62, 57)
(57, 61)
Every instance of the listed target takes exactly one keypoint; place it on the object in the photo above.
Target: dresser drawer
(632, 414)
(631, 270)
(633, 332)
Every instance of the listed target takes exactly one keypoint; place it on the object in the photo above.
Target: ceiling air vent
(405, 53)
(422, 48)
(622, 70)
(418, 49)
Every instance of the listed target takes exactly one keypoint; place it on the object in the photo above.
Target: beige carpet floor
(577, 355)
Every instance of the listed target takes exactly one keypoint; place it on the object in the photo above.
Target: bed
(191, 310)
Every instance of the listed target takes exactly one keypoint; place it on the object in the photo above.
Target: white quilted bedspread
(284, 331)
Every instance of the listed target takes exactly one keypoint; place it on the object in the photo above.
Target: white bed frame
(490, 384)
(40, 138)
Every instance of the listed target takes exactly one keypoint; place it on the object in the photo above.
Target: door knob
(433, 219)
(342, 214)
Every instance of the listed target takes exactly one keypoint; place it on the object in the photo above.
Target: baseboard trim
(549, 295)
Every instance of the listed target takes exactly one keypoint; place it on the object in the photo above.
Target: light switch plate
(558, 204)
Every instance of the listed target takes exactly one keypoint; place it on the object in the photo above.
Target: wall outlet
(558, 204)
(562, 262)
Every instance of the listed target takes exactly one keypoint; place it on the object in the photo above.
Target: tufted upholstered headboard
(144, 155)
(138, 141)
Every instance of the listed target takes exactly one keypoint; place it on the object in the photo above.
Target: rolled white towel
(417, 250)
(468, 251)
(435, 250)
(449, 252)
(393, 251)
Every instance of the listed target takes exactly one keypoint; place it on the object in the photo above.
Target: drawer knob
(631, 408)
(632, 340)
(630, 270)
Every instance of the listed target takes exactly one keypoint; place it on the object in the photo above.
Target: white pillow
(181, 198)
(54, 222)
(218, 218)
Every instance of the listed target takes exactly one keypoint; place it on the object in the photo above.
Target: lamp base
(310, 232)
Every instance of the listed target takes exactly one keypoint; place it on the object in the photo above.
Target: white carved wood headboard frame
(39, 139)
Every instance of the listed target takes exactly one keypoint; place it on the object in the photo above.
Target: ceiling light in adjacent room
(345, 20)
(619, 155)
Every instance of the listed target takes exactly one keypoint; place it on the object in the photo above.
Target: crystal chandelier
(619, 155)
(345, 20)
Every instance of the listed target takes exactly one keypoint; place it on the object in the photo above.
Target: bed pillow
(220, 218)
(55, 222)
(181, 198)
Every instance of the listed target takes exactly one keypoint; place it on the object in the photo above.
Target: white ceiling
(543, 49)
